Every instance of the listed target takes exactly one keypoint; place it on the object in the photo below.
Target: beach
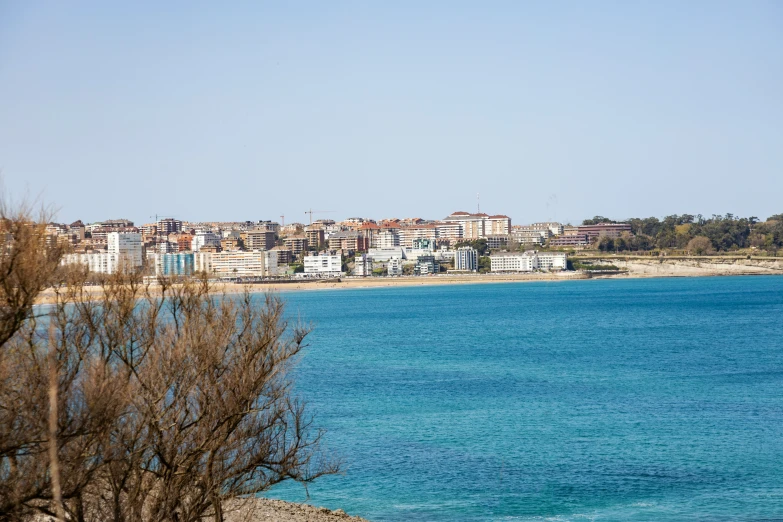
(630, 267)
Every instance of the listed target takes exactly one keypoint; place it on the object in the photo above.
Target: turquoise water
(654, 399)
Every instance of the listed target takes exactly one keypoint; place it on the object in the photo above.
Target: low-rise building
(237, 264)
(605, 229)
(323, 265)
(570, 240)
(530, 234)
(495, 241)
(555, 229)
(551, 260)
(527, 261)
(512, 262)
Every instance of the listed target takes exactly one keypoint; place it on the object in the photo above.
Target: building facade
(466, 259)
(570, 240)
(324, 265)
(527, 261)
(271, 263)
(410, 233)
(394, 266)
(168, 226)
(97, 262)
(260, 239)
(605, 229)
(237, 264)
(315, 235)
(426, 265)
(362, 266)
(495, 241)
(127, 246)
(296, 244)
(204, 238)
(179, 264)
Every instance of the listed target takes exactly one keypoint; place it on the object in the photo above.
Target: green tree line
(697, 233)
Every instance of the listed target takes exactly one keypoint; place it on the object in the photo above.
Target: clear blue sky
(550, 110)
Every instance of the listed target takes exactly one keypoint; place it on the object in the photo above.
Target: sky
(248, 111)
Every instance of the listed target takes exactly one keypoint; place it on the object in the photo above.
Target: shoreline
(635, 270)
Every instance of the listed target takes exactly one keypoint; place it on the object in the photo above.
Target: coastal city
(462, 242)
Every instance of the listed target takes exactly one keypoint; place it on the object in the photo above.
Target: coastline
(262, 509)
(634, 269)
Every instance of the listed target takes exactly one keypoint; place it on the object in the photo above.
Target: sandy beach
(631, 267)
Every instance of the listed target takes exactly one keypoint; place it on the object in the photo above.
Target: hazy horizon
(556, 111)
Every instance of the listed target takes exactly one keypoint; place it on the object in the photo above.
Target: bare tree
(165, 402)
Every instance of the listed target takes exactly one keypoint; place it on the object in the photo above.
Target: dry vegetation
(136, 406)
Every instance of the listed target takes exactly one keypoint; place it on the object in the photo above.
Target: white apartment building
(527, 261)
(551, 260)
(555, 229)
(408, 234)
(394, 266)
(98, 262)
(127, 246)
(329, 265)
(448, 230)
(475, 226)
(386, 238)
(466, 258)
(498, 224)
(515, 262)
(528, 235)
(202, 262)
(236, 263)
(204, 238)
(362, 265)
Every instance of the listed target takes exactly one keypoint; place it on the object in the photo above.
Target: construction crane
(156, 216)
(311, 212)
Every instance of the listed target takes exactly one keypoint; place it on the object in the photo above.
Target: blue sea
(649, 399)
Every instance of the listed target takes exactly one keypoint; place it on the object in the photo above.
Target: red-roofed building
(475, 226)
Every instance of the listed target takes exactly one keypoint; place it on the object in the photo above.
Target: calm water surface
(656, 399)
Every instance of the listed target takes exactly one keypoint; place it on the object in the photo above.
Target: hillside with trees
(696, 234)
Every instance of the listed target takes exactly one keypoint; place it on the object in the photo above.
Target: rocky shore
(268, 510)
(691, 266)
